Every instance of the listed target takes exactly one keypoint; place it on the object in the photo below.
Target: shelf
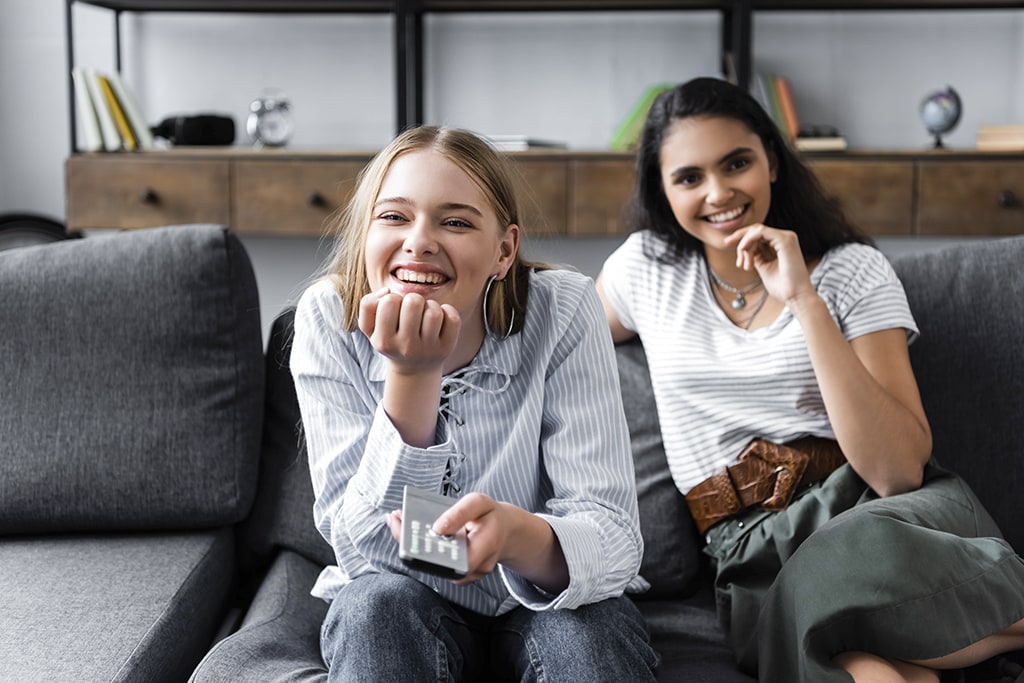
(568, 193)
(736, 31)
(239, 6)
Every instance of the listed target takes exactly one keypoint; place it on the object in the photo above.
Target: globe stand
(938, 142)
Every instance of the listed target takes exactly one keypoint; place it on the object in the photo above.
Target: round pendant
(739, 303)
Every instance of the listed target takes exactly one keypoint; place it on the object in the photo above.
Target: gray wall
(566, 76)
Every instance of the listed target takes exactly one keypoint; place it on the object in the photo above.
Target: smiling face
(717, 177)
(433, 231)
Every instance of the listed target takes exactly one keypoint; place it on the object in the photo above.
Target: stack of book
(521, 143)
(775, 93)
(111, 119)
(1008, 138)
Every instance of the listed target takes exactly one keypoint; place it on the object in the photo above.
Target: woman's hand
(867, 385)
(414, 333)
(501, 533)
(775, 255)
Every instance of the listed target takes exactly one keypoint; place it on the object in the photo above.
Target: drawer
(876, 196)
(125, 191)
(970, 198)
(290, 197)
(544, 184)
(599, 192)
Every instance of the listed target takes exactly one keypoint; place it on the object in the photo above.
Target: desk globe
(940, 112)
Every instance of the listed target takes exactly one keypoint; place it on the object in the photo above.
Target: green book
(627, 136)
(776, 111)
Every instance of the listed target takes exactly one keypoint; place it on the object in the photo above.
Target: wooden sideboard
(281, 192)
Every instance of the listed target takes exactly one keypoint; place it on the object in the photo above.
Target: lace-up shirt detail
(535, 420)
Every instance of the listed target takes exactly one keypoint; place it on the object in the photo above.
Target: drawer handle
(149, 196)
(316, 199)
(1007, 199)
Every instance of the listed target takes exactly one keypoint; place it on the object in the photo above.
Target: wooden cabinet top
(242, 152)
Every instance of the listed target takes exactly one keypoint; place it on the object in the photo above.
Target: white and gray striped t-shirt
(535, 420)
(717, 386)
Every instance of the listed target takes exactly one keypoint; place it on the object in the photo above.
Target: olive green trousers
(910, 577)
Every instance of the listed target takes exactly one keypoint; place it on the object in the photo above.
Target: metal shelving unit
(736, 34)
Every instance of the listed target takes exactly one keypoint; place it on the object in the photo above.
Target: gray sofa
(156, 505)
(131, 400)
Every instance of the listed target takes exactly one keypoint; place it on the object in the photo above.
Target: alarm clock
(270, 121)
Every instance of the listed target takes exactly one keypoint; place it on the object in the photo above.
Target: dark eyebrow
(739, 151)
(450, 206)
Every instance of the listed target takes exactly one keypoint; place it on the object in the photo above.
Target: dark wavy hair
(798, 202)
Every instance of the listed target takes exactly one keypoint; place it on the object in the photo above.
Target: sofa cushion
(125, 607)
(672, 555)
(282, 515)
(968, 364)
(692, 645)
(132, 390)
(279, 639)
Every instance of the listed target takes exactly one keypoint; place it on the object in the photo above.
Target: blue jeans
(394, 629)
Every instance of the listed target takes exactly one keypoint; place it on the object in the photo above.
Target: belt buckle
(789, 466)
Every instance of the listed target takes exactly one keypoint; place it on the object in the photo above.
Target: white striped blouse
(535, 420)
(717, 386)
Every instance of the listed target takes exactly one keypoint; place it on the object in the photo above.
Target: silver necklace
(757, 309)
(740, 302)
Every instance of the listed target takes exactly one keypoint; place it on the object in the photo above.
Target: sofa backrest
(282, 516)
(131, 395)
(966, 300)
(967, 364)
(672, 557)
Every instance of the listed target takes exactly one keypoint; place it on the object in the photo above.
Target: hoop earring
(487, 322)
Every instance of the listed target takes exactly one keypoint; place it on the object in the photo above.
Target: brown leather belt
(766, 474)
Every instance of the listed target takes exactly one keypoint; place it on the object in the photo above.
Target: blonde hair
(492, 173)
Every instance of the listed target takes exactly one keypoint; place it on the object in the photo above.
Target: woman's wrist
(806, 303)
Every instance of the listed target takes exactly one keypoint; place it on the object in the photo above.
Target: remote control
(420, 547)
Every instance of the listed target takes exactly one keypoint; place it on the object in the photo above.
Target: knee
(377, 602)
(610, 623)
(610, 635)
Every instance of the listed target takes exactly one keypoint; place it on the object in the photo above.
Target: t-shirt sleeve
(872, 298)
(616, 279)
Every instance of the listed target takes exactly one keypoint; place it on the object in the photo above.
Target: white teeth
(726, 215)
(419, 278)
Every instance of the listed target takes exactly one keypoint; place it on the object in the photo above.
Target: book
(1004, 138)
(627, 135)
(772, 87)
(108, 129)
(128, 140)
(92, 138)
(521, 143)
(759, 89)
(825, 143)
(784, 92)
(140, 128)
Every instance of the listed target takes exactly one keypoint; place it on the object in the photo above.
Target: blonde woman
(435, 356)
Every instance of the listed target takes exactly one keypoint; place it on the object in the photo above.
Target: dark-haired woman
(777, 339)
